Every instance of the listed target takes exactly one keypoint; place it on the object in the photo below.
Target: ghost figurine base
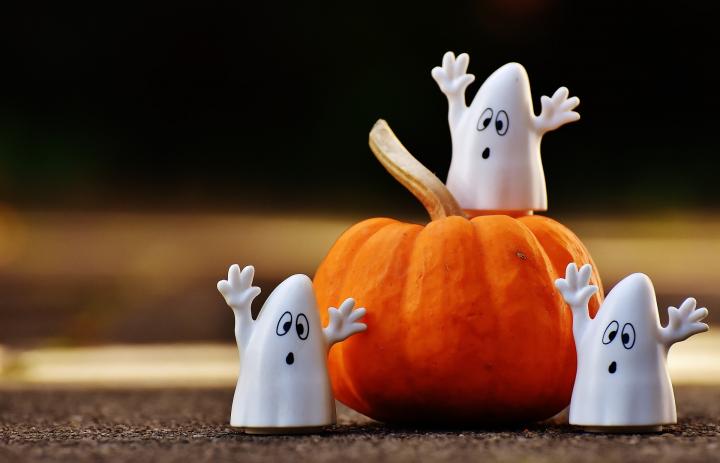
(471, 213)
(278, 431)
(622, 383)
(283, 386)
(622, 429)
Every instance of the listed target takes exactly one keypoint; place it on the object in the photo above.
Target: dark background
(144, 148)
(263, 105)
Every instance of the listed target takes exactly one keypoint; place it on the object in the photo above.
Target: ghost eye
(302, 326)
(628, 336)
(610, 332)
(284, 324)
(502, 123)
(485, 119)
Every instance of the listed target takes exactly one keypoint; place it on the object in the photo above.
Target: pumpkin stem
(423, 184)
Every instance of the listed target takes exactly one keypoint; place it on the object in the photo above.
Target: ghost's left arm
(343, 322)
(577, 291)
(453, 79)
(683, 322)
(556, 111)
(239, 293)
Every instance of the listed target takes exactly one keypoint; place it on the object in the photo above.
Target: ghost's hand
(575, 287)
(452, 76)
(453, 79)
(577, 291)
(237, 289)
(556, 110)
(684, 322)
(344, 322)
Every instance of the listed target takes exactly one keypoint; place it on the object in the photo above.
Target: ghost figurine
(283, 386)
(496, 163)
(622, 382)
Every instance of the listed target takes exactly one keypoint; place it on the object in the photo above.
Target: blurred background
(145, 149)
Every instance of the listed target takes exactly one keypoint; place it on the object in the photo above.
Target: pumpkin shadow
(378, 429)
(450, 428)
(415, 429)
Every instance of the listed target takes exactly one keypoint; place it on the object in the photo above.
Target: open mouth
(486, 153)
(612, 368)
(290, 359)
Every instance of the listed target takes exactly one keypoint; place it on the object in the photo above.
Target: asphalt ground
(190, 425)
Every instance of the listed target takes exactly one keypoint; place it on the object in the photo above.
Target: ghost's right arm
(557, 111)
(343, 322)
(453, 79)
(683, 322)
(577, 291)
(239, 294)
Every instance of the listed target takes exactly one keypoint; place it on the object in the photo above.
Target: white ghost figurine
(283, 384)
(496, 163)
(622, 382)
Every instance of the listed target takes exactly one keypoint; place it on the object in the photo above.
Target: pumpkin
(464, 322)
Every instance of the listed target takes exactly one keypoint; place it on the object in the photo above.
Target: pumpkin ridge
(409, 285)
(438, 261)
(566, 330)
(523, 257)
(406, 283)
(490, 317)
(332, 270)
(397, 234)
(339, 363)
(549, 266)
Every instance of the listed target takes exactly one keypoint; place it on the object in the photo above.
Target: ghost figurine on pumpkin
(496, 163)
(622, 382)
(283, 386)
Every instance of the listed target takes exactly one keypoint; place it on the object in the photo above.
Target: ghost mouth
(290, 359)
(612, 368)
(486, 153)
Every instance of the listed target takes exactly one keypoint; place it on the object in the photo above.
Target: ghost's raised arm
(344, 322)
(239, 294)
(683, 322)
(577, 291)
(453, 79)
(556, 111)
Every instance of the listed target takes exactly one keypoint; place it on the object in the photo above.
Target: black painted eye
(502, 123)
(485, 119)
(610, 332)
(628, 336)
(302, 326)
(284, 324)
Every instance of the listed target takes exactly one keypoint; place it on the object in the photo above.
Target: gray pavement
(189, 425)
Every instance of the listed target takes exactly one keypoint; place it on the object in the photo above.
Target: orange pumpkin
(464, 322)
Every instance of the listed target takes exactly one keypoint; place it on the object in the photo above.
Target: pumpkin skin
(464, 322)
